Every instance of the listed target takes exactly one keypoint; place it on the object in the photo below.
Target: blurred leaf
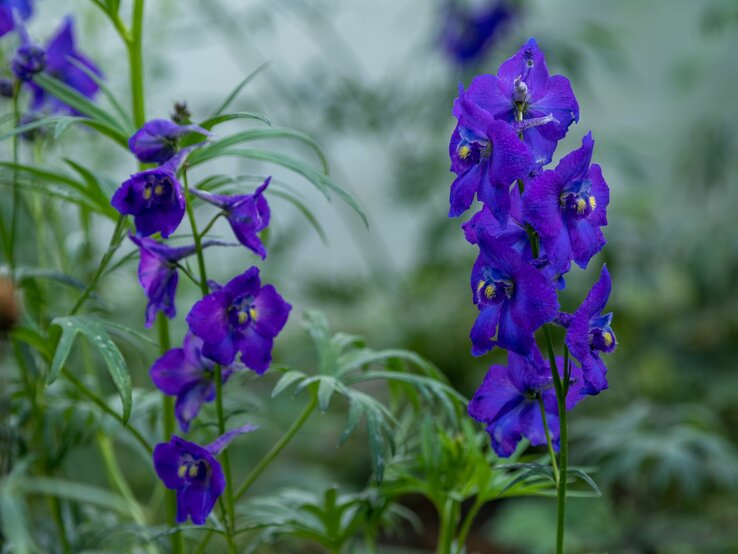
(95, 332)
(239, 87)
(71, 490)
(586, 478)
(212, 122)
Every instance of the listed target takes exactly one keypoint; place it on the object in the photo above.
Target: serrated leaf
(286, 380)
(325, 391)
(95, 332)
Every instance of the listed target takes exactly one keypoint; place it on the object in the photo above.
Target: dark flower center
(494, 287)
(577, 199)
(242, 312)
(472, 148)
(192, 470)
(601, 337)
(158, 190)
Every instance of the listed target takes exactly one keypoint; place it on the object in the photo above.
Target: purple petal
(173, 372)
(464, 188)
(505, 434)
(541, 204)
(166, 464)
(511, 158)
(256, 350)
(219, 444)
(601, 193)
(484, 329)
(190, 399)
(515, 334)
(271, 312)
(246, 283)
(208, 318)
(494, 397)
(586, 241)
(575, 164)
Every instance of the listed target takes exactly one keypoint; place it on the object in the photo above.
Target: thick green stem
(16, 189)
(467, 523)
(278, 447)
(135, 58)
(449, 519)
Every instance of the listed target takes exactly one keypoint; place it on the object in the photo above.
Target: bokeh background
(374, 82)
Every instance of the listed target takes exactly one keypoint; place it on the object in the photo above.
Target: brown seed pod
(9, 308)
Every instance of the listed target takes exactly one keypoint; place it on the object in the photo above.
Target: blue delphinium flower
(568, 205)
(193, 471)
(185, 373)
(513, 297)
(62, 61)
(523, 85)
(516, 236)
(248, 215)
(590, 334)
(242, 316)
(469, 32)
(157, 273)
(154, 197)
(11, 11)
(157, 141)
(29, 59)
(487, 157)
(507, 401)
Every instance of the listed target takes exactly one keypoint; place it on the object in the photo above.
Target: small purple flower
(29, 58)
(590, 334)
(157, 141)
(522, 85)
(154, 197)
(248, 214)
(468, 33)
(507, 402)
(10, 11)
(242, 316)
(487, 156)
(193, 471)
(157, 273)
(60, 54)
(513, 297)
(568, 205)
(188, 375)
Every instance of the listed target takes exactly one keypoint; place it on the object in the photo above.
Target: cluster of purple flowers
(533, 223)
(58, 57)
(241, 317)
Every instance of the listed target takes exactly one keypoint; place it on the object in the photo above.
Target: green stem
(197, 237)
(16, 189)
(100, 403)
(449, 520)
(278, 447)
(59, 520)
(135, 58)
(211, 223)
(115, 240)
(467, 523)
(551, 451)
(167, 431)
(226, 461)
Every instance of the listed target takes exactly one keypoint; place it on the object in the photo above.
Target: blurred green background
(657, 84)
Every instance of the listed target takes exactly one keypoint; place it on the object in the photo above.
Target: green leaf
(376, 444)
(261, 134)
(212, 122)
(52, 120)
(581, 474)
(95, 332)
(71, 490)
(322, 182)
(286, 380)
(239, 87)
(312, 220)
(325, 391)
(34, 339)
(354, 417)
(14, 522)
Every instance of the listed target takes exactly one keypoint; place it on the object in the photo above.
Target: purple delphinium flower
(242, 316)
(513, 297)
(11, 11)
(157, 273)
(154, 197)
(487, 156)
(468, 33)
(61, 55)
(193, 471)
(507, 401)
(248, 214)
(29, 58)
(523, 86)
(156, 141)
(568, 205)
(589, 333)
(188, 375)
